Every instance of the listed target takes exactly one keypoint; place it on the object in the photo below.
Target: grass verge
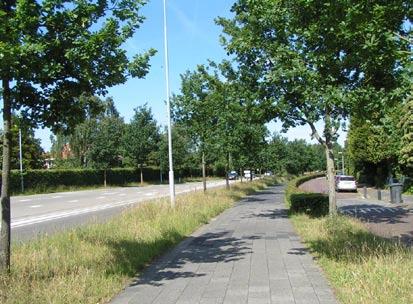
(93, 263)
(362, 267)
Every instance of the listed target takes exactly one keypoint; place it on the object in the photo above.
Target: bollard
(365, 192)
(379, 194)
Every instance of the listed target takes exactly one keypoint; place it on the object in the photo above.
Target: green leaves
(141, 137)
(54, 51)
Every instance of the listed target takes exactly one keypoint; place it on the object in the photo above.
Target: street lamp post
(168, 106)
(21, 160)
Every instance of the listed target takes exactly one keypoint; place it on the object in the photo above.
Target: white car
(346, 183)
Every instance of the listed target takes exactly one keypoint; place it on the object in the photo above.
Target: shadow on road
(375, 213)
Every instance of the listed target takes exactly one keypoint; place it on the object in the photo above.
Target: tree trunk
(104, 178)
(331, 172)
(331, 180)
(203, 172)
(226, 173)
(141, 174)
(5, 186)
(241, 174)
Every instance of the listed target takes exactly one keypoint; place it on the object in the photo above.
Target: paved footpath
(248, 254)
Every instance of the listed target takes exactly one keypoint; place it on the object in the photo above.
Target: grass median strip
(362, 267)
(93, 263)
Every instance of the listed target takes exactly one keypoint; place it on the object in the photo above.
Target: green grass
(93, 263)
(362, 267)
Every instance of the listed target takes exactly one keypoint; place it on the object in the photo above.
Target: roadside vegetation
(93, 263)
(362, 267)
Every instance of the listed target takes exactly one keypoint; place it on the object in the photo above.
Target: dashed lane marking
(36, 206)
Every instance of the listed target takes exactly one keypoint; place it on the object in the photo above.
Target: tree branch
(315, 132)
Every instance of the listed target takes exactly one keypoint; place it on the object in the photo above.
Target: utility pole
(21, 160)
(168, 106)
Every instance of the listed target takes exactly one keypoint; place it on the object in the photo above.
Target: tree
(141, 138)
(183, 149)
(107, 140)
(406, 125)
(192, 110)
(319, 60)
(52, 52)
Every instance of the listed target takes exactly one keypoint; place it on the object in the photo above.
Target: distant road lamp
(168, 106)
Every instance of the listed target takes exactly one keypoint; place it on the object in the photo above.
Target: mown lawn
(93, 263)
(362, 267)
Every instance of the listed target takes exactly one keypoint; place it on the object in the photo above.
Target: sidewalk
(249, 254)
(385, 194)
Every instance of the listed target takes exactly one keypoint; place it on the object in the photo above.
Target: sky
(193, 38)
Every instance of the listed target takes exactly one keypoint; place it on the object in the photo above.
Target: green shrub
(314, 204)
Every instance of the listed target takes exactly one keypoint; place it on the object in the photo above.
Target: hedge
(299, 201)
(41, 180)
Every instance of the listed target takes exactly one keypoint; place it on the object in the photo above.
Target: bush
(314, 204)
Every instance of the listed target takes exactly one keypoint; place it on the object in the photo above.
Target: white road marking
(110, 193)
(26, 221)
(57, 196)
(73, 201)
(58, 215)
(25, 200)
(122, 194)
(35, 206)
(100, 197)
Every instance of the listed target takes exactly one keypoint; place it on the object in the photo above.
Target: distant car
(232, 175)
(268, 173)
(345, 183)
(248, 174)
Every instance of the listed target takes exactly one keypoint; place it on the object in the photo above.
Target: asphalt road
(49, 213)
(381, 217)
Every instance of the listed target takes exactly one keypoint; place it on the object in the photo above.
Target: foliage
(51, 53)
(184, 154)
(406, 126)
(315, 61)
(54, 52)
(105, 151)
(141, 137)
(32, 152)
(373, 147)
(314, 204)
(292, 157)
(223, 118)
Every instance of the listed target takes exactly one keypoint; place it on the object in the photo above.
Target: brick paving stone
(248, 254)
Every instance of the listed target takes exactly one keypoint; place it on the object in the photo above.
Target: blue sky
(193, 39)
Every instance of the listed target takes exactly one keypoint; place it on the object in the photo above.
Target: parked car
(345, 183)
(268, 173)
(233, 175)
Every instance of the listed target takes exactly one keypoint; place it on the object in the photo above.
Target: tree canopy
(319, 60)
